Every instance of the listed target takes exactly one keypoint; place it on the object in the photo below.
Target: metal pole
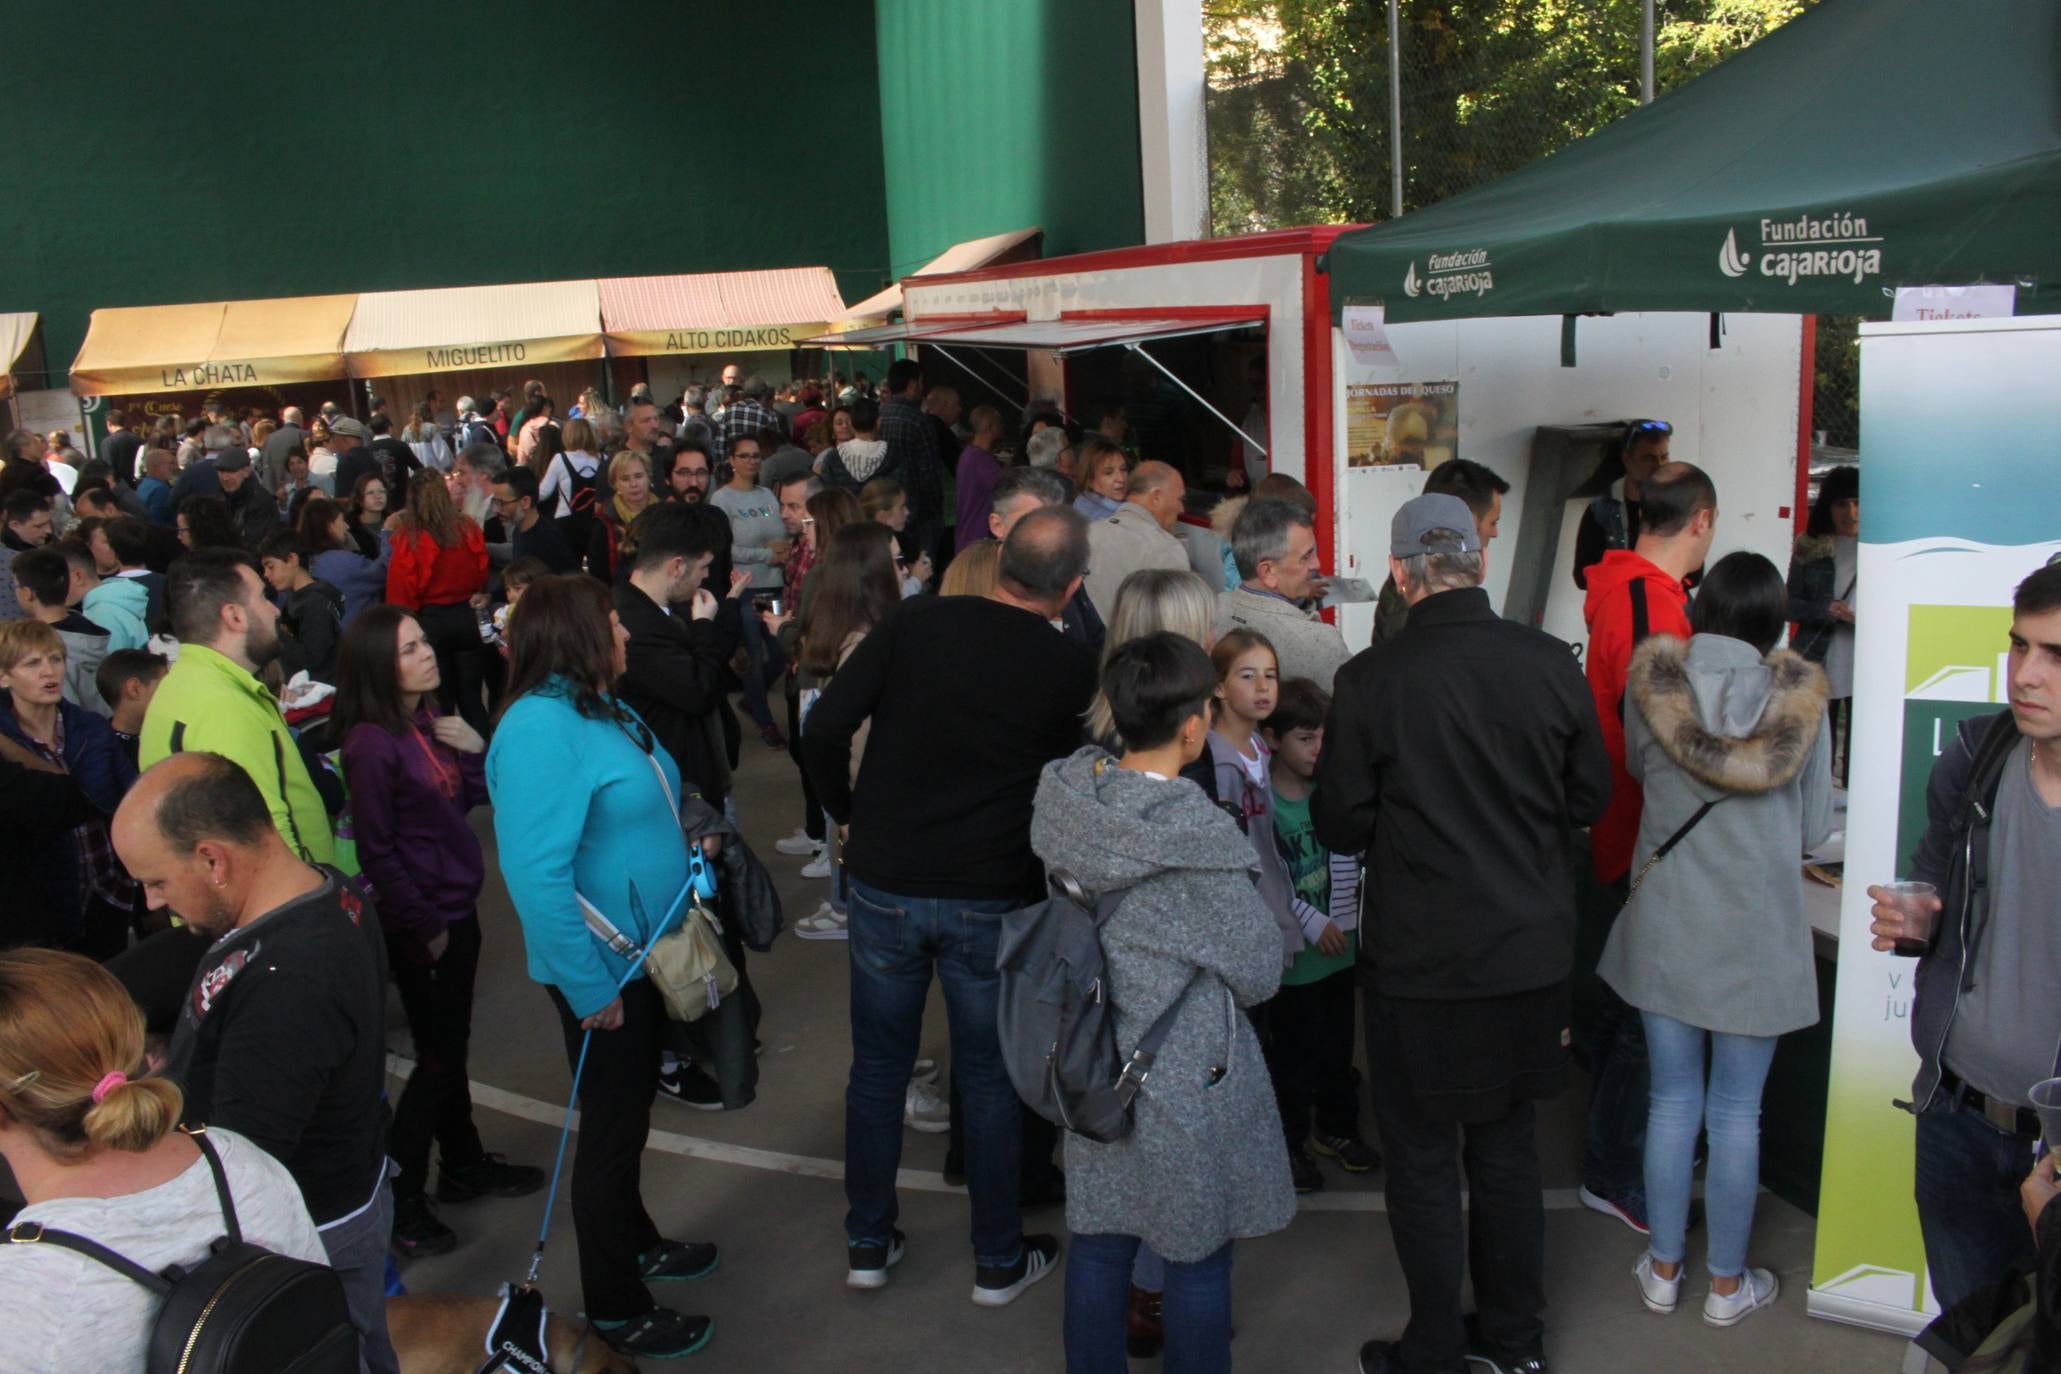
(1395, 107)
(1646, 54)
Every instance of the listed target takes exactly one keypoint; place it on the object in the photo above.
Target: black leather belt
(2005, 1116)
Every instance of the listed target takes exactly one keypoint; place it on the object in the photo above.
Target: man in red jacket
(1632, 593)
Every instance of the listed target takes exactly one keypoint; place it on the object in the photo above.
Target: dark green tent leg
(1567, 340)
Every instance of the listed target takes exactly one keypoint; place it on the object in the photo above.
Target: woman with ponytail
(89, 1137)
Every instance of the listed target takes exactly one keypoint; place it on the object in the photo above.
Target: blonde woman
(631, 494)
(88, 1135)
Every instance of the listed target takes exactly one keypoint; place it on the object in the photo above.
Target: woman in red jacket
(439, 567)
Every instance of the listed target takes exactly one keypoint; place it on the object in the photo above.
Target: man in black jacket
(678, 653)
(1458, 759)
(282, 1037)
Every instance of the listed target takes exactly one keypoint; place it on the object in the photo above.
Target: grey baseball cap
(348, 428)
(1420, 515)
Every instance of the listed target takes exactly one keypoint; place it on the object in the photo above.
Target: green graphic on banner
(1953, 669)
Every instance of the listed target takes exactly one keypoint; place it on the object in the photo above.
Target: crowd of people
(257, 674)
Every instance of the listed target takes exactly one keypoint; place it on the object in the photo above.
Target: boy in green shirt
(1310, 1020)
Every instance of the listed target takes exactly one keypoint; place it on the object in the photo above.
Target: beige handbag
(688, 964)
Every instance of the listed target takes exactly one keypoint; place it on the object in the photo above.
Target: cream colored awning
(153, 348)
(457, 328)
(960, 257)
(15, 333)
(717, 312)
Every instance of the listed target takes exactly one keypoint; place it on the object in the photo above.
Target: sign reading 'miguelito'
(473, 355)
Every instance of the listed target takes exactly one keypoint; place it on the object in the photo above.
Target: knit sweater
(1204, 1162)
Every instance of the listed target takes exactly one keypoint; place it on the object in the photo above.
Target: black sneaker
(998, 1285)
(660, 1334)
(1386, 1357)
(1353, 1154)
(1630, 1208)
(487, 1176)
(1480, 1352)
(1303, 1170)
(678, 1261)
(692, 1086)
(866, 1266)
(417, 1232)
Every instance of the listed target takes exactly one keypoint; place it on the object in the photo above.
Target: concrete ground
(764, 1182)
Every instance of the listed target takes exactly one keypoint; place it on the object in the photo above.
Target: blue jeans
(768, 663)
(895, 942)
(1196, 1310)
(1968, 1174)
(357, 1252)
(1730, 1110)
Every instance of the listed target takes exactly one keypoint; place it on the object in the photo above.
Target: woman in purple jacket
(412, 776)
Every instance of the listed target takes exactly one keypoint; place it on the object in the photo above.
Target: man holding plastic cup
(1987, 1019)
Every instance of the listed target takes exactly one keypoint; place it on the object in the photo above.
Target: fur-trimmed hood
(1810, 548)
(1726, 716)
(1224, 514)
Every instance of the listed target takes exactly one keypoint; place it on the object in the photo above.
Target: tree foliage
(1299, 94)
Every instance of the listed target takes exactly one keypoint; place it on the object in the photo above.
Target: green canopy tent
(1866, 145)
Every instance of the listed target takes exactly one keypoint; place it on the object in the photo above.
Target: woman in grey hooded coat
(1725, 733)
(1204, 1162)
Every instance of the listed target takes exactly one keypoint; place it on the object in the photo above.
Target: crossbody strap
(605, 930)
(1667, 846)
(199, 1136)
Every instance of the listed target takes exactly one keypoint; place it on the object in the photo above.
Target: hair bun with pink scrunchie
(107, 1084)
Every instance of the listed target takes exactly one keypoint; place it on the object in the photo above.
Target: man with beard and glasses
(211, 701)
(280, 1036)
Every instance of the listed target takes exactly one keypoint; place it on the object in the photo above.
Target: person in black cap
(1458, 757)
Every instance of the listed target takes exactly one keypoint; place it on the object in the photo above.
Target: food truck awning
(1076, 334)
(458, 328)
(1863, 146)
(960, 257)
(16, 331)
(154, 348)
(717, 312)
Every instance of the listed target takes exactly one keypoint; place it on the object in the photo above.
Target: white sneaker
(1758, 1288)
(1659, 1294)
(818, 867)
(926, 1070)
(925, 1109)
(798, 843)
(824, 923)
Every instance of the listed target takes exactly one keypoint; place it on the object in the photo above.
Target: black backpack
(242, 1310)
(1055, 1021)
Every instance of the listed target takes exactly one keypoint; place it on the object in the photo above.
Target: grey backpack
(1057, 1027)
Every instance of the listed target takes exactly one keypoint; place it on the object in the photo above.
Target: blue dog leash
(701, 884)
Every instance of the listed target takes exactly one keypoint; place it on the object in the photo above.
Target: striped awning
(157, 348)
(458, 328)
(717, 312)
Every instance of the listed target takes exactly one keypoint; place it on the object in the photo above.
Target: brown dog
(445, 1334)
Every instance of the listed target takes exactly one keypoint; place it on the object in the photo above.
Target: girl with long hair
(438, 565)
(586, 809)
(853, 589)
(325, 530)
(88, 1133)
(413, 775)
(426, 439)
(368, 510)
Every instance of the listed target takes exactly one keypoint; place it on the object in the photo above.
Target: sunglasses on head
(1644, 428)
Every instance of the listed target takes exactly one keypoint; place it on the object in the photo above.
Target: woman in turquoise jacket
(585, 807)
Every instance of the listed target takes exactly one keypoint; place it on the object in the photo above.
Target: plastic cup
(2046, 1100)
(1914, 901)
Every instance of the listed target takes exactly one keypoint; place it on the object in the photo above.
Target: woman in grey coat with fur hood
(1726, 734)
(1204, 1163)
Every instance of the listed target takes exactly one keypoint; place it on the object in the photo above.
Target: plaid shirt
(743, 420)
(912, 447)
(100, 873)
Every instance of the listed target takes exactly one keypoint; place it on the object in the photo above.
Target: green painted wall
(252, 148)
(998, 114)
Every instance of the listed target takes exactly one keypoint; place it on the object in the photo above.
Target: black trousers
(607, 1173)
(436, 1104)
(453, 635)
(812, 810)
(1504, 1242)
(1310, 1055)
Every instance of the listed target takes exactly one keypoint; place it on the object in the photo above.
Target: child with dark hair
(1310, 1021)
(127, 679)
(311, 611)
